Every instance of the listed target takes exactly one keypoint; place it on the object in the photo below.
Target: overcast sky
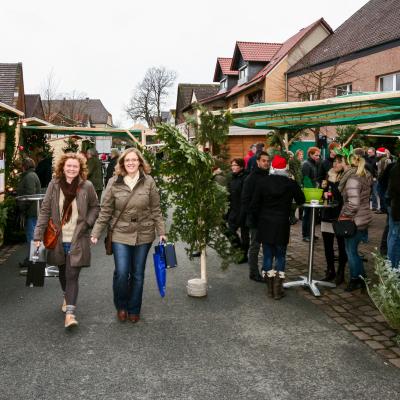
(103, 48)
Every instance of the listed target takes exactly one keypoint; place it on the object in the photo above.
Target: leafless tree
(49, 91)
(150, 94)
(74, 106)
(314, 84)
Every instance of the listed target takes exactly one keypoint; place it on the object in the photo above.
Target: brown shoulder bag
(51, 233)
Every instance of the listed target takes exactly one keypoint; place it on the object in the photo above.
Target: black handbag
(345, 228)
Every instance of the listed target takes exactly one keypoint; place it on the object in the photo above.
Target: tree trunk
(203, 265)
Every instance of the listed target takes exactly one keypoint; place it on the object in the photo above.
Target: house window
(389, 83)
(307, 97)
(255, 97)
(342, 90)
(243, 74)
(223, 85)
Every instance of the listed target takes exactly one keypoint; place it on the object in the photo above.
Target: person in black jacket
(270, 207)
(44, 170)
(329, 215)
(111, 165)
(326, 165)
(393, 201)
(310, 170)
(250, 184)
(235, 187)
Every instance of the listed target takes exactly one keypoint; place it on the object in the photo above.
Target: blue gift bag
(160, 268)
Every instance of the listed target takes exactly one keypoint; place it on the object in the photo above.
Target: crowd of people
(264, 190)
(264, 187)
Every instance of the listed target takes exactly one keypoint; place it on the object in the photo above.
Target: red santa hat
(279, 162)
(381, 151)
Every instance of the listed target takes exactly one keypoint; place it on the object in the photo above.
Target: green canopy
(133, 134)
(391, 128)
(341, 110)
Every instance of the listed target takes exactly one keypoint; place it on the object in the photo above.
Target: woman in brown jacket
(355, 186)
(72, 199)
(134, 231)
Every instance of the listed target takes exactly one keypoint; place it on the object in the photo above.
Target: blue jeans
(354, 260)
(30, 224)
(272, 251)
(130, 263)
(382, 197)
(374, 195)
(393, 241)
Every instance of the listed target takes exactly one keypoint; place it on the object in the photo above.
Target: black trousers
(329, 239)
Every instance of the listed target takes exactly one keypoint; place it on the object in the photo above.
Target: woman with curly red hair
(71, 202)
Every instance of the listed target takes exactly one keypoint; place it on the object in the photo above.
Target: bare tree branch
(149, 96)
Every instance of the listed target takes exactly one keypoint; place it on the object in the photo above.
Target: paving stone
(396, 349)
(370, 331)
(389, 333)
(361, 335)
(339, 309)
(340, 320)
(351, 327)
(366, 308)
(366, 319)
(361, 324)
(395, 362)
(380, 338)
(374, 345)
(379, 318)
(388, 343)
(387, 353)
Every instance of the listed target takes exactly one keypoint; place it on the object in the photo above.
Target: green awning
(133, 134)
(391, 128)
(342, 110)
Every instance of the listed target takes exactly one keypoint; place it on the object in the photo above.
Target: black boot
(269, 280)
(354, 284)
(330, 275)
(340, 275)
(278, 287)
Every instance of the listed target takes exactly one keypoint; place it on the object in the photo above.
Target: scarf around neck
(69, 190)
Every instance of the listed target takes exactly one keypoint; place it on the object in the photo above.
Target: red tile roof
(225, 64)
(278, 56)
(254, 51)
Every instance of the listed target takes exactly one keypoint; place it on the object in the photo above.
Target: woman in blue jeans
(131, 207)
(355, 187)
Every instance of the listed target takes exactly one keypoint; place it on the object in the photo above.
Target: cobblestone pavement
(6, 251)
(354, 311)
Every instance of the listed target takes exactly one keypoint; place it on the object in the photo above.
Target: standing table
(50, 270)
(308, 281)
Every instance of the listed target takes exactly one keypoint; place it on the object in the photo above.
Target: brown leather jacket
(142, 216)
(88, 210)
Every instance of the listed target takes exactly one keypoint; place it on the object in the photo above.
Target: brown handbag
(108, 238)
(51, 233)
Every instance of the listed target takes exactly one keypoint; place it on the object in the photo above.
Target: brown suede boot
(270, 285)
(278, 286)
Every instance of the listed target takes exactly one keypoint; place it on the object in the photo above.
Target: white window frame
(223, 84)
(395, 76)
(348, 89)
(243, 74)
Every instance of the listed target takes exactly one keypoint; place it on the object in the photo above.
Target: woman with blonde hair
(131, 208)
(71, 203)
(355, 187)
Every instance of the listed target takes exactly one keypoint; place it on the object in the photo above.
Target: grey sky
(103, 48)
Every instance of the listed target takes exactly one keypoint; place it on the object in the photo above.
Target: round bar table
(50, 270)
(308, 281)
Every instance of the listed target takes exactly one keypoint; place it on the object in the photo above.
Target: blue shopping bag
(160, 267)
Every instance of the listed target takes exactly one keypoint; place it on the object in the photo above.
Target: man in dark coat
(111, 165)
(251, 164)
(310, 172)
(327, 164)
(95, 171)
(44, 170)
(235, 187)
(271, 206)
(250, 184)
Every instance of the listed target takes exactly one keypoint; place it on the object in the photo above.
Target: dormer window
(223, 85)
(243, 74)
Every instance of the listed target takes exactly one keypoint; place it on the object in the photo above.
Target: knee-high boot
(278, 285)
(269, 278)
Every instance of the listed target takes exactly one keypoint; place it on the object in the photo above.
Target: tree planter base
(196, 287)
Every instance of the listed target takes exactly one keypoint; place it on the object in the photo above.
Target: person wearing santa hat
(270, 207)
